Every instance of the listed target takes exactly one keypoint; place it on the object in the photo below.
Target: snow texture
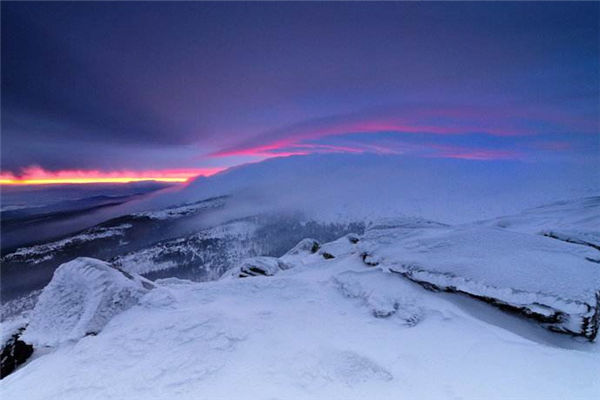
(327, 328)
(256, 266)
(544, 278)
(82, 297)
(343, 187)
(363, 316)
(574, 221)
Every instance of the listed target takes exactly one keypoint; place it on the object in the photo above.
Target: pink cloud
(443, 121)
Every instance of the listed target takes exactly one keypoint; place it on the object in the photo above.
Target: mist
(365, 187)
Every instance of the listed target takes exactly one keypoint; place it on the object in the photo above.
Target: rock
(257, 266)
(547, 280)
(82, 297)
(301, 253)
(369, 259)
(340, 247)
(353, 238)
(305, 246)
(14, 352)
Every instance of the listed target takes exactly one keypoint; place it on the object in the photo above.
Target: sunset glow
(39, 176)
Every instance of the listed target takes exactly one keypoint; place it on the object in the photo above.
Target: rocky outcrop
(550, 281)
(305, 246)
(557, 314)
(257, 266)
(82, 297)
(343, 246)
(269, 266)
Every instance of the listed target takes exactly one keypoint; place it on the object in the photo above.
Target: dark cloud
(134, 85)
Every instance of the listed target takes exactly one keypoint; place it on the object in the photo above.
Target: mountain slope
(329, 327)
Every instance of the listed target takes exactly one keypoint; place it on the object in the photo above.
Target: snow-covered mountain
(333, 283)
(195, 241)
(335, 187)
(358, 316)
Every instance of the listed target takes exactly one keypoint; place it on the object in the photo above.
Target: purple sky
(157, 86)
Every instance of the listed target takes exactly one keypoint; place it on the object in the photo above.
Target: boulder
(82, 297)
(550, 281)
(256, 266)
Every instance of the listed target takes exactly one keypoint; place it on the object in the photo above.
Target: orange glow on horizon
(38, 176)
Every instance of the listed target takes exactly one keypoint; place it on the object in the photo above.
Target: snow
(582, 213)
(44, 252)
(353, 318)
(339, 247)
(199, 248)
(298, 254)
(83, 295)
(533, 264)
(183, 210)
(574, 221)
(383, 297)
(18, 307)
(351, 187)
(536, 274)
(330, 328)
(256, 266)
(591, 239)
(11, 327)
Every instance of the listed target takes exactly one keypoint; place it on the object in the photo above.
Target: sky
(171, 90)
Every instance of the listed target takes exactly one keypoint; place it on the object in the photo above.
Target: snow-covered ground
(407, 307)
(574, 221)
(327, 323)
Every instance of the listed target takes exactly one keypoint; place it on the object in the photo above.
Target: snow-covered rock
(549, 280)
(326, 329)
(305, 246)
(300, 253)
(256, 266)
(342, 246)
(83, 295)
(13, 350)
(383, 295)
(305, 252)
